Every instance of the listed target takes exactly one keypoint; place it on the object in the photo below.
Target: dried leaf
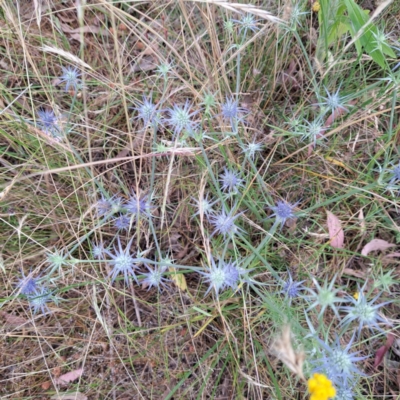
(65, 54)
(38, 11)
(147, 63)
(335, 229)
(46, 385)
(69, 377)
(357, 274)
(178, 279)
(380, 354)
(362, 221)
(283, 349)
(375, 244)
(12, 321)
(69, 396)
(392, 255)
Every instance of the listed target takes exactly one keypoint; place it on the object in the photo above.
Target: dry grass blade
(247, 8)
(283, 349)
(65, 54)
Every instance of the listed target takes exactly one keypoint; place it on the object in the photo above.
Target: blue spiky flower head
(313, 131)
(210, 102)
(290, 288)
(27, 284)
(103, 206)
(155, 277)
(340, 361)
(139, 205)
(229, 25)
(122, 222)
(39, 299)
(231, 111)
(181, 118)
(224, 223)
(71, 78)
(123, 262)
(324, 296)
(148, 113)
(57, 259)
(204, 206)
(216, 276)
(164, 69)
(365, 312)
(48, 122)
(395, 172)
(233, 274)
(251, 149)
(97, 250)
(230, 181)
(334, 102)
(247, 23)
(284, 211)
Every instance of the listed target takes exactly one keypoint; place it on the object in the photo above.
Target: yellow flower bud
(316, 6)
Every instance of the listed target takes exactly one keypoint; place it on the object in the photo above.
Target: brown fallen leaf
(376, 244)
(357, 274)
(69, 377)
(46, 385)
(380, 354)
(13, 321)
(335, 229)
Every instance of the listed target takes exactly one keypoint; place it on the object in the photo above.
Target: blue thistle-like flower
(395, 171)
(247, 23)
(139, 206)
(224, 223)
(122, 222)
(229, 25)
(231, 111)
(343, 391)
(324, 297)
(252, 148)
(230, 181)
(233, 274)
(48, 122)
(296, 16)
(39, 299)
(334, 102)
(364, 312)
(148, 113)
(284, 211)
(155, 277)
(180, 118)
(116, 203)
(312, 130)
(103, 206)
(205, 206)
(71, 79)
(217, 276)
(56, 260)
(123, 262)
(290, 288)
(341, 361)
(209, 101)
(27, 284)
(97, 250)
(164, 69)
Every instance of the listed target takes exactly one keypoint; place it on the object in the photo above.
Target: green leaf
(359, 18)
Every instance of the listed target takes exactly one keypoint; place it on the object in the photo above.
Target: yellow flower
(320, 387)
(356, 295)
(316, 6)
